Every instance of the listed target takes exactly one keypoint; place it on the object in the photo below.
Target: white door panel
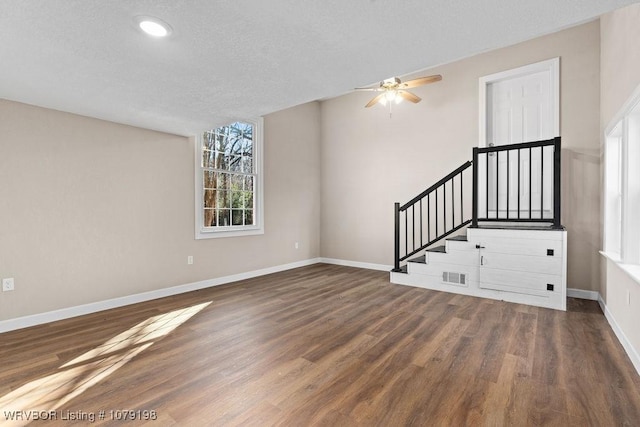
(520, 106)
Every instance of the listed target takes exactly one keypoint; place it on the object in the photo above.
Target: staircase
(507, 245)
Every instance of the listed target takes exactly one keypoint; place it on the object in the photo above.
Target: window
(229, 181)
(613, 193)
(622, 187)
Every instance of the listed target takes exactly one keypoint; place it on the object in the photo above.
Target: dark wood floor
(325, 345)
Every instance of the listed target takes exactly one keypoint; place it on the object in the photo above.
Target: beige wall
(620, 59)
(620, 71)
(91, 210)
(370, 161)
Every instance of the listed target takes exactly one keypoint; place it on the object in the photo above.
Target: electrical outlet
(296, 245)
(8, 284)
(190, 259)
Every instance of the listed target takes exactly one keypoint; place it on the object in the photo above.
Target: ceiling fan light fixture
(152, 26)
(394, 90)
(391, 95)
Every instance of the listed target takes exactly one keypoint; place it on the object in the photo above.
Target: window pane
(235, 163)
(208, 158)
(248, 217)
(247, 164)
(222, 181)
(221, 161)
(248, 183)
(248, 148)
(209, 180)
(237, 216)
(210, 218)
(236, 199)
(224, 217)
(248, 199)
(208, 141)
(223, 199)
(220, 141)
(210, 198)
(237, 182)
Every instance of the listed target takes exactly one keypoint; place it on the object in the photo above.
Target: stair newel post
(474, 194)
(556, 182)
(396, 247)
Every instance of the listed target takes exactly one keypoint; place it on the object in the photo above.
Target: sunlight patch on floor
(78, 375)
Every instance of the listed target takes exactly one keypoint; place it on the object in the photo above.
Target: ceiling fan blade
(374, 89)
(374, 101)
(409, 96)
(421, 81)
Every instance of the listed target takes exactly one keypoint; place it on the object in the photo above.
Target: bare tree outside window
(229, 176)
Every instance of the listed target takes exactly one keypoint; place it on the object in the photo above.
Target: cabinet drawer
(519, 282)
(521, 263)
(524, 247)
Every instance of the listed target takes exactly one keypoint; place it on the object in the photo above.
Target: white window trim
(237, 230)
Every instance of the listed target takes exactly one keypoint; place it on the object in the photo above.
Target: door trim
(552, 65)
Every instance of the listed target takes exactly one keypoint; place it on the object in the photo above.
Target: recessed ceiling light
(153, 26)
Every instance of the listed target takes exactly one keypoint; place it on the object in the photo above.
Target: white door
(520, 105)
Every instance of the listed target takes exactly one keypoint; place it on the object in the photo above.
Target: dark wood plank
(326, 345)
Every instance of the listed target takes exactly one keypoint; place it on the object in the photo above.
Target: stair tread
(458, 238)
(437, 249)
(420, 259)
(520, 226)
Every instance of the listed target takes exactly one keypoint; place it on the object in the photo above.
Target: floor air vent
(454, 278)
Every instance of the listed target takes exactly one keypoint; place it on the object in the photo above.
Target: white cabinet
(529, 264)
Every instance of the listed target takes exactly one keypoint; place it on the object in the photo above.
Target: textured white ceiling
(243, 58)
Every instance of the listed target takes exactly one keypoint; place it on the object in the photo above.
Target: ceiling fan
(394, 90)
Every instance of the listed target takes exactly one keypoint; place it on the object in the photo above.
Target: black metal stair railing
(517, 183)
(430, 216)
(509, 183)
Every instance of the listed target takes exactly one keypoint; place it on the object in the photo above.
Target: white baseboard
(65, 313)
(628, 347)
(626, 344)
(582, 294)
(358, 264)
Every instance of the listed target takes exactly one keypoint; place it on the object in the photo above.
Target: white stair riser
(457, 245)
(454, 257)
(437, 269)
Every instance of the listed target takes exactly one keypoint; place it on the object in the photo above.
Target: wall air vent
(454, 278)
